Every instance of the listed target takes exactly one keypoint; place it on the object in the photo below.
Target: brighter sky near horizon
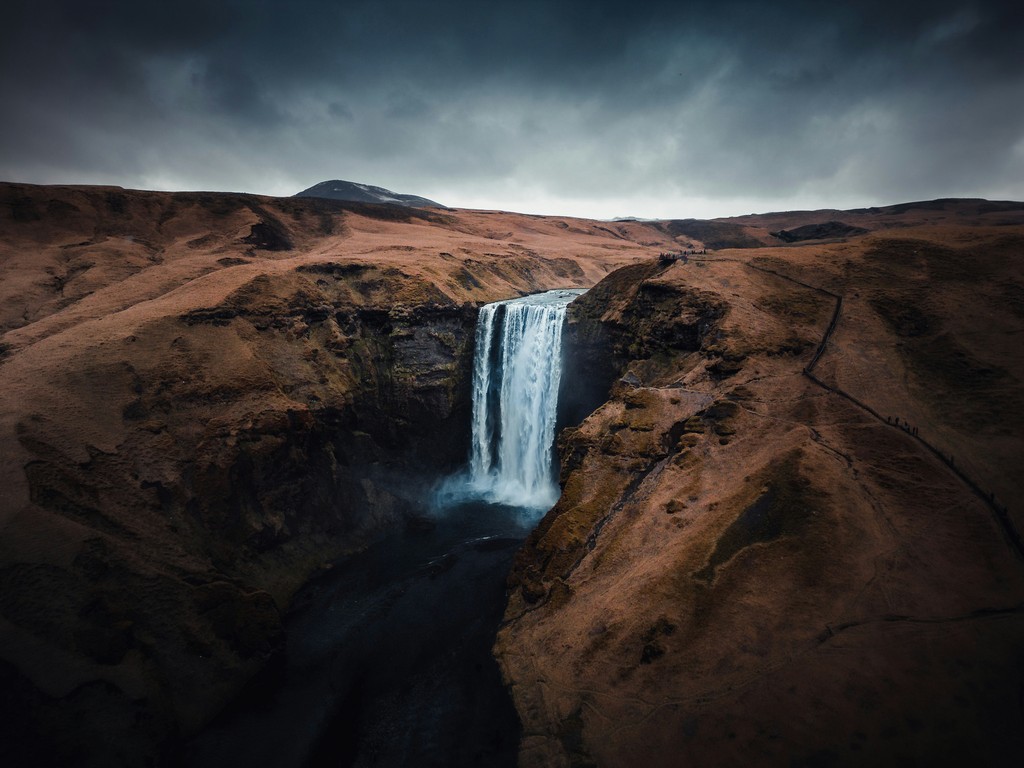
(664, 109)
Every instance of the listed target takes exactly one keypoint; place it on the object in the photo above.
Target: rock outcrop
(224, 454)
(205, 398)
(825, 231)
(752, 562)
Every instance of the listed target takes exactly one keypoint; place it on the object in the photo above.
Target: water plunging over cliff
(516, 373)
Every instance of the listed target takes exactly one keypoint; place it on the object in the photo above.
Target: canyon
(789, 522)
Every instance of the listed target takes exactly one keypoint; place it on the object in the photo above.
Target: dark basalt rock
(629, 316)
(714, 234)
(826, 231)
(268, 236)
(258, 491)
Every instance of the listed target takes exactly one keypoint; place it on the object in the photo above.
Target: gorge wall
(205, 399)
(750, 564)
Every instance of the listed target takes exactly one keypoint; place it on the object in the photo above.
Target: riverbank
(388, 658)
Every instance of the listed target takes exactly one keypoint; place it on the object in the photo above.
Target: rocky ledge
(205, 400)
(772, 546)
(764, 552)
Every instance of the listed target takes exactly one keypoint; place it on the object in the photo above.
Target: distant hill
(336, 189)
(829, 229)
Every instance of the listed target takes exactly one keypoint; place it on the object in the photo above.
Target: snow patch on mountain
(337, 189)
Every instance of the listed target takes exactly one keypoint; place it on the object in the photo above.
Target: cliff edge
(791, 535)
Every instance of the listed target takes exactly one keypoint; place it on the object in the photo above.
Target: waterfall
(517, 369)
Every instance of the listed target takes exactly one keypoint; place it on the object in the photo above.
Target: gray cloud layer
(667, 109)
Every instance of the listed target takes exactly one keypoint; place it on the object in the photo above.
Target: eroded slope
(203, 399)
(747, 566)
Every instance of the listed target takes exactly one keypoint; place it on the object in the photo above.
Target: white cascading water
(515, 399)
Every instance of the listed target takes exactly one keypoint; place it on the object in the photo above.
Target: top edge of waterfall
(556, 296)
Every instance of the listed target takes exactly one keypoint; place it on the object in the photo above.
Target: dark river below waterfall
(388, 658)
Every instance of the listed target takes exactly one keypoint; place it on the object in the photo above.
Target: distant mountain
(336, 189)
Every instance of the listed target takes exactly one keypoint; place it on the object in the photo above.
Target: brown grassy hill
(204, 397)
(753, 564)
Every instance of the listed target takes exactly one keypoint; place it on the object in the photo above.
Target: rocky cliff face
(205, 399)
(750, 564)
(252, 442)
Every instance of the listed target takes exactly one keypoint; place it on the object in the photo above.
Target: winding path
(1000, 513)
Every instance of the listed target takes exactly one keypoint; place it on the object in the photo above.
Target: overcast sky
(672, 109)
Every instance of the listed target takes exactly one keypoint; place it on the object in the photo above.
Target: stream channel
(388, 658)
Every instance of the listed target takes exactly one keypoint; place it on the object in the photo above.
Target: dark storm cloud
(646, 108)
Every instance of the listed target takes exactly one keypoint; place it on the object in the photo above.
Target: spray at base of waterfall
(517, 371)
